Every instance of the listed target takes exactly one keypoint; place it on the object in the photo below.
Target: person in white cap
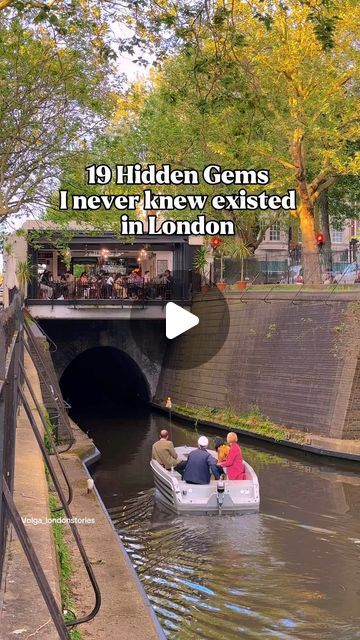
(200, 465)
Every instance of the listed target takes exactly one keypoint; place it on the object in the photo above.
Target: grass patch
(65, 565)
(252, 421)
(48, 432)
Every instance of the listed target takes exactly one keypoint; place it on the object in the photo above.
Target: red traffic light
(215, 242)
(320, 238)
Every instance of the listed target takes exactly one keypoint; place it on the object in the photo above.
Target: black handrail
(60, 406)
(28, 318)
(247, 288)
(336, 284)
(49, 435)
(86, 561)
(34, 563)
(302, 286)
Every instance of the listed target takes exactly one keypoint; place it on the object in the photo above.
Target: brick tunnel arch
(104, 374)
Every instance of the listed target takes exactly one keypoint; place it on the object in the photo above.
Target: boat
(219, 496)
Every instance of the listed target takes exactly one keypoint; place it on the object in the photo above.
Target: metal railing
(53, 400)
(10, 355)
(286, 270)
(14, 380)
(94, 290)
(65, 507)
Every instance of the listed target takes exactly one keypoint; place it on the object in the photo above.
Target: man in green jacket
(163, 451)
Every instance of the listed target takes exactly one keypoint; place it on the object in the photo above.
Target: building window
(274, 232)
(337, 236)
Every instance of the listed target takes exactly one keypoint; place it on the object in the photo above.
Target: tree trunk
(311, 259)
(325, 227)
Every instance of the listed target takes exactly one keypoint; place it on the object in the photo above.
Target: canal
(289, 572)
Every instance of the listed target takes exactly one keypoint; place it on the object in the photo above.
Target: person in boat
(233, 462)
(200, 465)
(222, 448)
(163, 451)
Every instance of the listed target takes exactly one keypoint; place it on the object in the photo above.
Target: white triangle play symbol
(178, 320)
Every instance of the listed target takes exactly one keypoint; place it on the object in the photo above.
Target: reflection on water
(289, 572)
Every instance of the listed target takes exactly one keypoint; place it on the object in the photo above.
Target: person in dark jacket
(200, 465)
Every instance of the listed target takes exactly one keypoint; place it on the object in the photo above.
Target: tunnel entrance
(103, 376)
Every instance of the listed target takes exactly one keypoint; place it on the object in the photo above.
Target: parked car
(350, 275)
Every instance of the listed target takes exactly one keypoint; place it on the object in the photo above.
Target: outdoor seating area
(106, 286)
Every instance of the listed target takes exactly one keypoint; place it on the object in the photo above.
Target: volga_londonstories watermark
(58, 520)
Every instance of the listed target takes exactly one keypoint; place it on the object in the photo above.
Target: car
(350, 275)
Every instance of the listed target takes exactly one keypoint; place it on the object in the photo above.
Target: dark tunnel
(103, 376)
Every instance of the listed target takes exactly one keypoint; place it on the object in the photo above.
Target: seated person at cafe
(46, 282)
(200, 465)
(120, 286)
(163, 451)
(134, 283)
(70, 280)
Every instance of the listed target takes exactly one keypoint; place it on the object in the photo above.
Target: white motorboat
(219, 496)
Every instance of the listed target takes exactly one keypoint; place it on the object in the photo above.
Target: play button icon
(178, 320)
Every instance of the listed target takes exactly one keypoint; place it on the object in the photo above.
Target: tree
(299, 62)
(54, 94)
(181, 120)
(344, 199)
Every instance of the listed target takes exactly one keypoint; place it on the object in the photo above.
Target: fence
(268, 270)
(15, 334)
(10, 355)
(119, 290)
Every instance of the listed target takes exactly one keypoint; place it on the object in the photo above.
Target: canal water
(289, 572)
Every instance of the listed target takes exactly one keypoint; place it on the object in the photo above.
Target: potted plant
(24, 271)
(236, 248)
(201, 265)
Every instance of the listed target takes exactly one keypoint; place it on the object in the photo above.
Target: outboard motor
(220, 493)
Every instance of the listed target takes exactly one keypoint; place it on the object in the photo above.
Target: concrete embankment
(298, 364)
(125, 610)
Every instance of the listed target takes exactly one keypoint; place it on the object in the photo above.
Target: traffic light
(320, 240)
(215, 242)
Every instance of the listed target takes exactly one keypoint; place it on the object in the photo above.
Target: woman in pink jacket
(233, 462)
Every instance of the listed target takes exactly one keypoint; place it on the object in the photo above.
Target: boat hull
(239, 496)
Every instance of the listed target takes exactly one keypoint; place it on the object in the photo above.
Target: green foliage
(24, 272)
(63, 553)
(65, 564)
(201, 260)
(54, 93)
(236, 248)
(263, 84)
(252, 421)
(344, 198)
(154, 22)
(48, 432)
(270, 84)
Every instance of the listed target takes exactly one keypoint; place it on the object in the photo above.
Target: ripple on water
(221, 578)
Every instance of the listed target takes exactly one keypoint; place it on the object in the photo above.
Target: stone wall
(144, 343)
(297, 362)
